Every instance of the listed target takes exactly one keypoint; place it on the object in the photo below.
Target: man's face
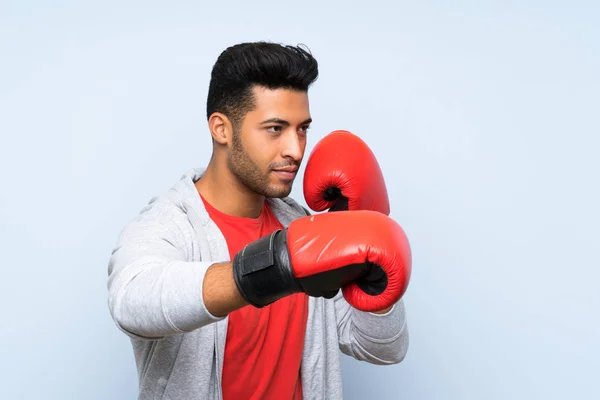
(268, 147)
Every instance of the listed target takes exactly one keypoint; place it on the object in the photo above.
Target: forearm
(221, 295)
(373, 337)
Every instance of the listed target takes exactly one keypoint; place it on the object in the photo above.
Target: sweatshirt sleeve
(153, 291)
(376, 338)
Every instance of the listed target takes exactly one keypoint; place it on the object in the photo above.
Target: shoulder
(165, 216)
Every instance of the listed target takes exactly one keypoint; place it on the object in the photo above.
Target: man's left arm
(377, 338)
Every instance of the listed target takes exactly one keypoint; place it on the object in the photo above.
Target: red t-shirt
(264, 346)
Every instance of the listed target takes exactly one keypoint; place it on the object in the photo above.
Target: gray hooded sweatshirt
(155, 276)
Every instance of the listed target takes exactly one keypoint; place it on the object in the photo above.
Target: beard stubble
(245, 169)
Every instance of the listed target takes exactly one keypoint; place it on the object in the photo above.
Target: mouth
(286, 174)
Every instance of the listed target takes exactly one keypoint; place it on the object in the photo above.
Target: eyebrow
(283, 122)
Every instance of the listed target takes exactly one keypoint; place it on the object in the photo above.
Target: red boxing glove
(342, 173)
(365, 253)
(368, 239)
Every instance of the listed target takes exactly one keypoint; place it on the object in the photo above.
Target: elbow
(127, 322)
(399, 355)
(398, 349)
(401, 348)
(129, 328)
(390, 353)
(121, 321)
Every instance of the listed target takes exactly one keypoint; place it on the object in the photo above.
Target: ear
(220, 128)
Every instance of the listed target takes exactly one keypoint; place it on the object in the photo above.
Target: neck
(226, 193)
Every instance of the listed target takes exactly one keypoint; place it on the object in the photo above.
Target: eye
(274, 128)
(304, 129)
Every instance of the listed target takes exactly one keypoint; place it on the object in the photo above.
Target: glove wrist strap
(262, 270)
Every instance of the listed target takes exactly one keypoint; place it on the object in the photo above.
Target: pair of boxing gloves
(355, 247)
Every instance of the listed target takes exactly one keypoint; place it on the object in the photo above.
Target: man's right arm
(221, 295)
(154, 292)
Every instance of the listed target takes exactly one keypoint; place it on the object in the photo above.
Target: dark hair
(241, 67)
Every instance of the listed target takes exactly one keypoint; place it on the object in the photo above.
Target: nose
(293, 146)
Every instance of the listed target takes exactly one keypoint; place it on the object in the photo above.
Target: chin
(279, 191)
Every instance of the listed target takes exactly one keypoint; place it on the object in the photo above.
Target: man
(216, 282)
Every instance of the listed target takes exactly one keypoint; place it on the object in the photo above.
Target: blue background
(485, 120)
